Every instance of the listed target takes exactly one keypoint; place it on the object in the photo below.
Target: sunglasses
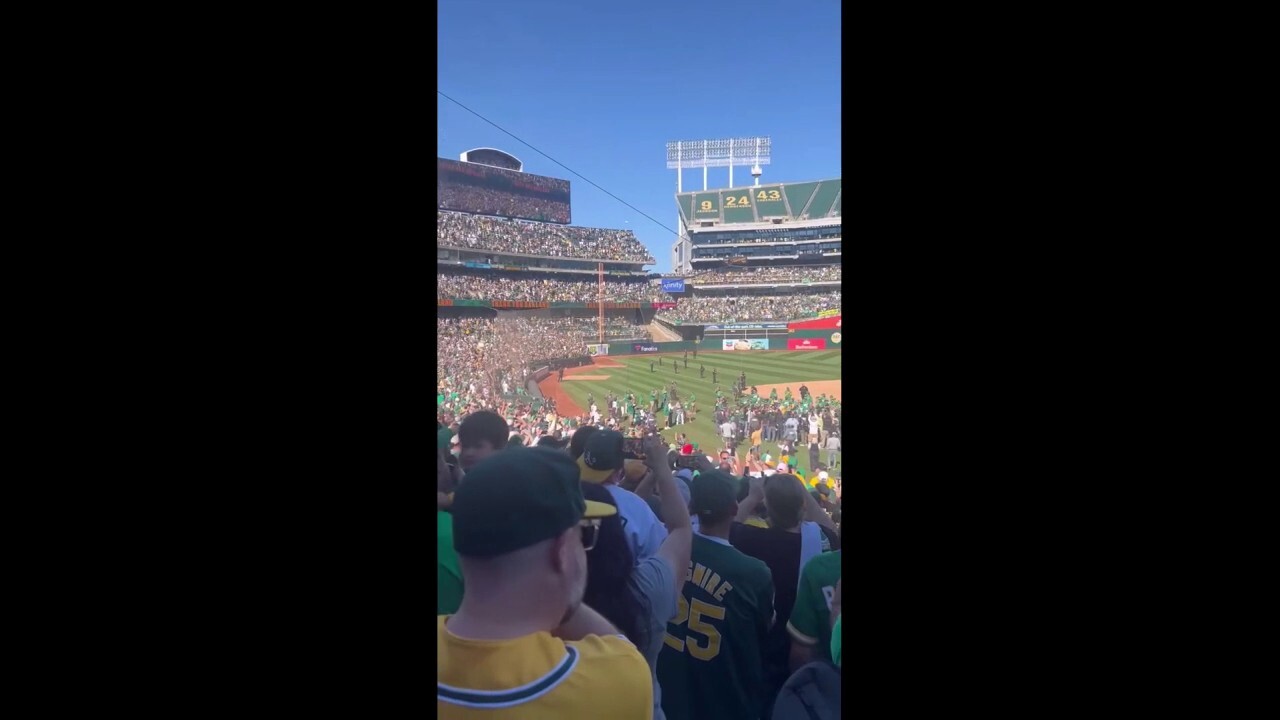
(590, 532)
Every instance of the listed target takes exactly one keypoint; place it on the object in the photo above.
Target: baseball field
(819, 370)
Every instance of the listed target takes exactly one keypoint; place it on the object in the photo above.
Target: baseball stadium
(696, 413)
(557, 326)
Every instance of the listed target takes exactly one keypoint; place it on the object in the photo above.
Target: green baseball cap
(712, 492)
(519, 497)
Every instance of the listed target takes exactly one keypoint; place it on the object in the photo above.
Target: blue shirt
(644, 531)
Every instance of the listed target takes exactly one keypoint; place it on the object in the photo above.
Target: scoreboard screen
(474, 188)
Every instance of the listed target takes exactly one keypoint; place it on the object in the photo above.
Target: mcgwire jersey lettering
(710, 667)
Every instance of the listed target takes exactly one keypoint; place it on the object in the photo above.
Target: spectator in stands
(522, 623)
(480, 435)
(725, 683)
(800, 303)
(641, 597)
(810, 623)
(458, 283)
(533, 238)
(602, 463)
(798, 532)
(750, 275)
(578, 443)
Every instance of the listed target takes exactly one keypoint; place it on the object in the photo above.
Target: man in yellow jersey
(522, 644)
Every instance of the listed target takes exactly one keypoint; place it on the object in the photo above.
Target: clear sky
(602, 86)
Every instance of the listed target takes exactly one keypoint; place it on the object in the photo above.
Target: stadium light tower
(751, 152)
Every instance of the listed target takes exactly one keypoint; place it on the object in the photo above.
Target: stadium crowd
(742, 308)
(540, 288)
(497, 202)
(581, 330)
(499, 235)
(481, 360)
(818, 273)
(649, 579)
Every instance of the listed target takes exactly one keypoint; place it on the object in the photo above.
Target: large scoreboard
(476, 188)
(756, 204)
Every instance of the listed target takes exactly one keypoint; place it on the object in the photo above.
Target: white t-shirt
(726, 430)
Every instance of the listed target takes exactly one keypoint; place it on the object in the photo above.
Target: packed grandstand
(514, 294)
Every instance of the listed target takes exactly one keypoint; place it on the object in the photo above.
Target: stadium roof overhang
(466, 157)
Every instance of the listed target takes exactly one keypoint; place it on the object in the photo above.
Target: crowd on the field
(633, 571)
(811, 273)
(489, 201)
(477, 232)
(510, 286)
(793, 306)
(483, 360)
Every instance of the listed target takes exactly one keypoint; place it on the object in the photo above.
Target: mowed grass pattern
(762, 368)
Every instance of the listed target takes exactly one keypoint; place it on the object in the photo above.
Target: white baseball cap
(822, 475)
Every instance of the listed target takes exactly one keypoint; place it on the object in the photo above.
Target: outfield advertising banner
(644, 348)
(594, 350)
(807, 344)
(747, 326)
(826, 323)
(673, 285)
(663, 305)
(746, 344)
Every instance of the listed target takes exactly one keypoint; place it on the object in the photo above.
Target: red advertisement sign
(827, 323)
(663, 305)
(807, 344)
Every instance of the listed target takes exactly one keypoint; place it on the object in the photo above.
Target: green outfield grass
(762, 368)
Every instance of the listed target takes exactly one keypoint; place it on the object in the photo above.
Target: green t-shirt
(448, 573)
(810, 622)
(711, 663)
(835, 641)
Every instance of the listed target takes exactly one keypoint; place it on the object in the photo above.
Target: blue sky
(603, 86)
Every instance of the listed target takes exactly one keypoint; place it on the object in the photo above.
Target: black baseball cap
(516, 498)
(712, 493)
(602, 456)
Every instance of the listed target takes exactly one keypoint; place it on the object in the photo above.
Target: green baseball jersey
(711, 666)
(810, 622)
(835, 640)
